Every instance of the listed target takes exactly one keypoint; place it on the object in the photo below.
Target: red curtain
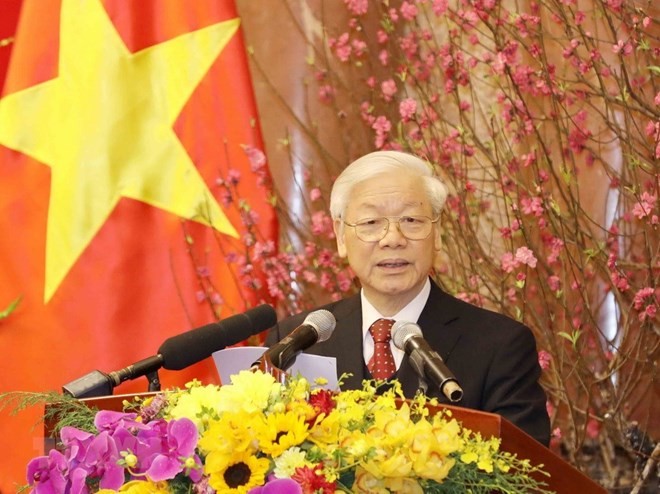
(94, 242)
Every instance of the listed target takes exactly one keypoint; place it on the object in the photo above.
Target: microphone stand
(266, 365)
(154, 381)
(91, 385)
(98, 383)
(417, 364)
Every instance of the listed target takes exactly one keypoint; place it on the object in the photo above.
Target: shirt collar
(410, 312)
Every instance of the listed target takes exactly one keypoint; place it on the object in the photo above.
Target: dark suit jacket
(493, 357)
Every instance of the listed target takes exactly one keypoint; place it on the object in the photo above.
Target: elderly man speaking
(386, 210)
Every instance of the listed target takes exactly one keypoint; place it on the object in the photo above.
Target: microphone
(317, 327)
(183, 350)
(179, 352)
(407, 336)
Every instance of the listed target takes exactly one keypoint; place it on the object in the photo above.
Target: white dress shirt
(410, 313)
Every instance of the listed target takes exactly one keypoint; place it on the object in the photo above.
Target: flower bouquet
(257, 435)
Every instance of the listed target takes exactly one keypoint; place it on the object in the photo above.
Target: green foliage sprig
(60, 410)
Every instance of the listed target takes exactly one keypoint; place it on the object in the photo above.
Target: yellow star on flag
(105, 127)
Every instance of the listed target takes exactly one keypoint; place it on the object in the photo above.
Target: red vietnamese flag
(116, 121)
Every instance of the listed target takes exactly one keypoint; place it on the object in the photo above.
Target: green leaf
(554, 205)
(572, 337)
(12, 307)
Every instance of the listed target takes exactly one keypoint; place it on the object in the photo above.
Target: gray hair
(380, 162)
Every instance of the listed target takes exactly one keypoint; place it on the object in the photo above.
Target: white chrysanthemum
(287, 462)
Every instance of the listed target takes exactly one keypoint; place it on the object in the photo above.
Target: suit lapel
(434, 321)
(346, 341)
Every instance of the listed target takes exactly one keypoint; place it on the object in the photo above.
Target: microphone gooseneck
(140, 368)
(408, 336)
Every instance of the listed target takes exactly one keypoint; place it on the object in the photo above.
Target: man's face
(393, 270)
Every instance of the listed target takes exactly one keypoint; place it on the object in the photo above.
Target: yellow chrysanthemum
(231, 432)
(235, 473)
(249, 392)
(280, 431)
(199, 404)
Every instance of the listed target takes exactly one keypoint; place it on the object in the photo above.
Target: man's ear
(340, 230)
(437, 237)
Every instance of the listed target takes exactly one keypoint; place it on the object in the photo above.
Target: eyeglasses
(375, 229)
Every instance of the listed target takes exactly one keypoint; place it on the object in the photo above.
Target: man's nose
(393, 231)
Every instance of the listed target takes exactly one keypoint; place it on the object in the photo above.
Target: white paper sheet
(233, 360)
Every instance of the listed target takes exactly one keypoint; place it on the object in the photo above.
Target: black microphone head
(323, 322)
(186, 349)
(402, 331)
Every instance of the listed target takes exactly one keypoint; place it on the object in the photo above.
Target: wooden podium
(564, 478)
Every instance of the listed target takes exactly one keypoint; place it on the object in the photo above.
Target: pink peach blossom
(315, 194)
(525, 256)
(388, 88)
(544, 359)
(508, 262)
(646, 204)
(357, 7)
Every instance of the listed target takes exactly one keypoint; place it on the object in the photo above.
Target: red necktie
(381, 365)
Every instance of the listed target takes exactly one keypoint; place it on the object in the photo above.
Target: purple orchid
(178, 445)
(75, 443)
(107, 420)
(47, 474)
(278, 486)
(123, 446)
(86, 457)
(95, 459)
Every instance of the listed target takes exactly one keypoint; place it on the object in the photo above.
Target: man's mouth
(393, 264)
